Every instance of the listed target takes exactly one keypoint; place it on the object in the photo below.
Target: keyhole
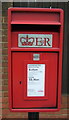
(20, 82)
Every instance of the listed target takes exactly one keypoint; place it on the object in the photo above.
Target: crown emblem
(27, 40)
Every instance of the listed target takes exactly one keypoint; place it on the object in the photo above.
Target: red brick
(5, 58)
(4, 32)
(53, 116)
(9, 114)
(4, 99)
(0, 56)
(0, 61)
(0, 117)
(5, 111)
(64, 99)
(0, 93)
(5, 69)
(0, 39)
(0, 87)
(0, 81)
(5, 51)
(5, 82)
(64, 106)
(5, 26)
(5, 76)
(4, 19)
(0, 25)
(5, 94)
(0, 105)
(0, 69)
(4, 13)
(0, 32)
(0, 99)
(1, 18)
(0, 45)
(5, 64)
(62, 111)
(5, 6)
(5, 105)
(5, 45)
(5, 87)
(0, 64)
(4, 39)
(0, 111)
(0, 75)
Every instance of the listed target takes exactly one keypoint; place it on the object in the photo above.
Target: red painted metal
(18, 58)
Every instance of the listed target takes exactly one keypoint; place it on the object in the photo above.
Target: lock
(36, 56)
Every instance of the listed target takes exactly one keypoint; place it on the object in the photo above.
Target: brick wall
(4, 108)
(0, 60)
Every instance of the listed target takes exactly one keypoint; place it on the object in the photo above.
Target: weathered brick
(5, 5)
(5, 26)
(5, 58)
(0, 99)
(64, 106)
(0, 116)
(5, 51)
(0, 75)
(4, 100)
(5, 76)
(0, 87)
(0, 39)
(5, 93)
(0, 57)
(0, 111)
(4, 13)
(4, 19)
(5, 69)
(0, 64)
(52, 115)
(0, 81)
(0, 51)
(5, 111)
(0, 44)
(4, 39)
(61, 112)
(5, 82)
(0, 93)
(1, 19)
(5, 105)
(0, 11)
(5, 88)
(9, 114)
(0, 32)
(4, 32)
(0, 105)
(64, 100)
(5, 45)
(4, 64)
(0, 69)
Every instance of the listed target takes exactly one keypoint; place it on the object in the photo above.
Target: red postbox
(35, 38)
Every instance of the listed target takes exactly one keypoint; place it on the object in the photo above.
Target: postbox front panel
(34, 80)
(35, 38)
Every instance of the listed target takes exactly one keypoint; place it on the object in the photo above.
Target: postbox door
(23, 94)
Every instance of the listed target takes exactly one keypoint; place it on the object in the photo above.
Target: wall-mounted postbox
(35, 38)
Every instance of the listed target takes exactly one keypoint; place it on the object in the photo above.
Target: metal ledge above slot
(36, 22)
(36, 49)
